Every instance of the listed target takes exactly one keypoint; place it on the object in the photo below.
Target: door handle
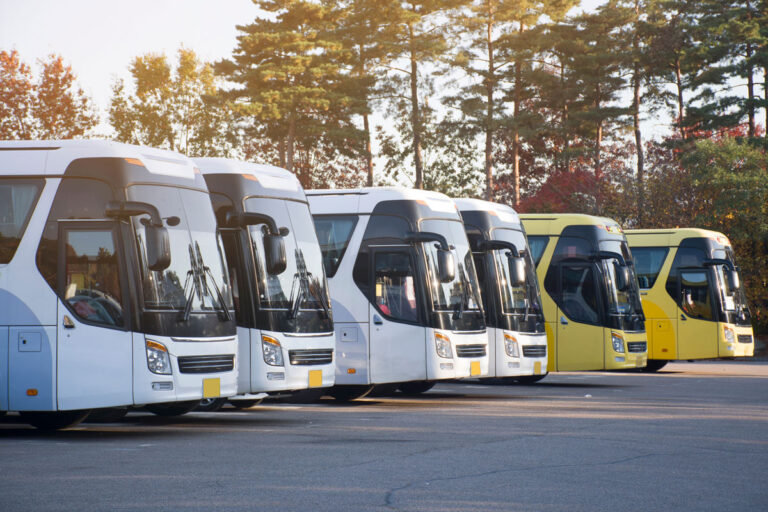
(67, 322)
(377, 320)
(563, 320)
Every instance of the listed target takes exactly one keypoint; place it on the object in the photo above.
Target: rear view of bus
(405, 296)
(283, 309)
(692, 295)
(517, 341)
(112, 282)
(591, 299)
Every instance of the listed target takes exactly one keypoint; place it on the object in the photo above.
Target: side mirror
(446, 266)
(158, 247)
(516, 269)
(733, 280)
(622, 276)
(274, 249)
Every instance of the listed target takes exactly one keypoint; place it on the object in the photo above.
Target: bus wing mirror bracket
(158, 243)
(446, 263)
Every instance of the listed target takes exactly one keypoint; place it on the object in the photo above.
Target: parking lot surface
(691, 437)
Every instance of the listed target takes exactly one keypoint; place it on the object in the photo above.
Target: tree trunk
(750, 81)
(516, 132)
(368, 150)
(564, 120)
(679, 82)
(599, 140)
(636, 120)
(765, 93)
(489, 83)
(281, 151)
(415, 124)
(290, 142)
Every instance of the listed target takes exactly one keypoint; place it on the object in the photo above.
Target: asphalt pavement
(693, 437)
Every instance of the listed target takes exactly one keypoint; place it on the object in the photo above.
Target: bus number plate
(474, 368)
(211, 388)
(315, 378)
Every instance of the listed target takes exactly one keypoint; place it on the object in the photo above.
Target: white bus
(517, 341)
(285, 327)
(405, 296)
(112, 283)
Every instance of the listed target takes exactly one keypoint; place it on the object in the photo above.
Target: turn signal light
(351, 371)
(31, 392)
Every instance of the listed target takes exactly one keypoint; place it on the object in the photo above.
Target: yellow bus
(590, 295)
(691, 294)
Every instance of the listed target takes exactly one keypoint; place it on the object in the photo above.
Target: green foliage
(178, 109)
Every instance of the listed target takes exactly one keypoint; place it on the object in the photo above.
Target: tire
(172, 408)
(348, 393)
(53, 420)
(654, 365)
(384, 389)
(210, 404)
(245, 404)
(107, 415)
(529, 379)
(2, 413)
(416, 388)
(304, 396)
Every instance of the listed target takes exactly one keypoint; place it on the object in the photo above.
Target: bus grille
(470, 350)
(308, 357)
(206, 364)
(636, 346)
(535, 351)
(745, 338)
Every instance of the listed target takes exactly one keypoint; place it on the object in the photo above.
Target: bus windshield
(196, 280)
(624, 306)
(733, 301)
(457, 303)
(521, 301)
(296, 300)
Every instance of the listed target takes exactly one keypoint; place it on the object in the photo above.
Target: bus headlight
(510, 346)
(443, 345)
(730, 336)
(273, 352)
(618, 342)
(158, 359)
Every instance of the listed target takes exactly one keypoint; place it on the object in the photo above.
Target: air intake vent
(206, 364)
(470, 350)
(745, 338)
(636, 346)
(309, 357)
(535, 351)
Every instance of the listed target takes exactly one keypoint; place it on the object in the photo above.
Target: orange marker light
(250, 177)
(351, 371)
(31, 392)
(134, 161)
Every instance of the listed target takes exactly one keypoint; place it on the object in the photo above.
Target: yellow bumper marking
(212, 388)
(537, 368)
(474, 368)
(315, 378)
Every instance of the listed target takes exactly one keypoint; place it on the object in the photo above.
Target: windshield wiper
(201, 276)
(303, 276)
(463, 303)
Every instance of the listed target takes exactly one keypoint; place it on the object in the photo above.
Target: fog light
(275, 375)
(162, 386)
(513, 364)
(446, 366)
(730, 347)
(619, 359)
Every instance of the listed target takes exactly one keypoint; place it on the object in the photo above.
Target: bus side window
(648, 263)
(91, 284)
(394, 285)
(695, 295)
(537, 243)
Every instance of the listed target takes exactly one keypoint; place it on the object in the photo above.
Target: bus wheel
(210, 404)
(107, 415)
(50, 420)
(172, 408)
(384, 389)
(416, 388)
(348, 393)
(529, 379)
(654, 365)
(244, 404)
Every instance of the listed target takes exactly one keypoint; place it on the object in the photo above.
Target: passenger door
(94, 356)
(580, 344)
(696, 325)
(397, 341)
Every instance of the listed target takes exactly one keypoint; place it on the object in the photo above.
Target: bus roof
(52, 157)
(364, 200)
(275, 180)
(671, 237)
(554, 223)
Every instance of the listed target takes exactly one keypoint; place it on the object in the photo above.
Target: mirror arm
(498, 245)
(719, 261)
(413, 237)
(132, 209)
(234, 219)
(607, 255)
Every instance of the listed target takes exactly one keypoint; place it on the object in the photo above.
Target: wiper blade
(202, 276)
(304, 279)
